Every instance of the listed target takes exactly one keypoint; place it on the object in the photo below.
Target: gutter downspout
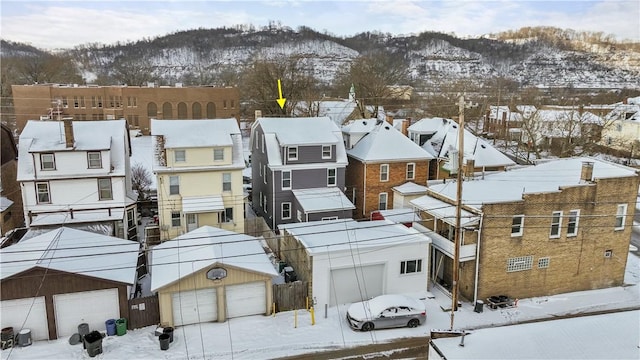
(273, 194)
(364, 191)
(475, 287)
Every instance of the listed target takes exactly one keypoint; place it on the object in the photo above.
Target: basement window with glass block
(519, 263)
(543, 263)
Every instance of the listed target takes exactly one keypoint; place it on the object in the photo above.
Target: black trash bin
(93, 343)
(164, 341)
(479, 306)
(168, 330)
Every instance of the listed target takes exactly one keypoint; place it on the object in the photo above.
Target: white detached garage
(59, 279)
(346, 261)
(211, 274)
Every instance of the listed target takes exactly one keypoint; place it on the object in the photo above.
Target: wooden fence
(290, 296)
(143, 311)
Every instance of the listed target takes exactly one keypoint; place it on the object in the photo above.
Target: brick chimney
(470, 167)
(68, 132)
(586, 174)
(390, 119)
(405, 127)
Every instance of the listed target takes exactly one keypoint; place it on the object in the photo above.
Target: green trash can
(121, 326)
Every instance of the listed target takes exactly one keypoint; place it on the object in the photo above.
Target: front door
(192, 222)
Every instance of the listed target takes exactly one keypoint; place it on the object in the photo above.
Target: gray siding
(308, 155)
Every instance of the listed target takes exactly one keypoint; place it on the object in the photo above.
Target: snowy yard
(268, 337)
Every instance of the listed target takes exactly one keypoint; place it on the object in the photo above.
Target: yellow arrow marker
(280, 99)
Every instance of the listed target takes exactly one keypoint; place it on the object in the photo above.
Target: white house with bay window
(198, 166)
(346, 261)
(77, 174)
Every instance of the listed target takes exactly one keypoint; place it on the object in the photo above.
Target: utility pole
(458, 230)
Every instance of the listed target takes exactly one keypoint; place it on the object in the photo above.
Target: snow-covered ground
(268, 337)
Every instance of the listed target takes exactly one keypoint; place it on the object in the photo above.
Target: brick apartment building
(556, 227)
(136, 104)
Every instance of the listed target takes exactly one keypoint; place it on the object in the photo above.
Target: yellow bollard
(274, 310)
(295, 319)
(313, 316)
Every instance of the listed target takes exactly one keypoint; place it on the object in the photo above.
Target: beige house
(198, 164)
(557, 227)
(211, 274)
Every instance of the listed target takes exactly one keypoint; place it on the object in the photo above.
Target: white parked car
(386, 311)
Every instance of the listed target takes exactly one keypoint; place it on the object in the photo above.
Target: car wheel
(368, 326)
(413, 323)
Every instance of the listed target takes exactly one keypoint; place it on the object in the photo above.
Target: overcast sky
(65, 24)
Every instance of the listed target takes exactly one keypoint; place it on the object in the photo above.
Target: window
(42, 189)
(227, 215)
(104, 189)
(262, 143)
(286, 180)
(411, 171)
(331, 177)
(224, 104)
(556, 223)
(131, 218)
(174, 185)
(95, 160)
(76, 104)
(93, 101)
(218, 154)
(261, 199)
(299, 215)
(382, 201)
(517, 225)
(179, 156)
(608, 254)
(264, 171)
(82, 105)
(620, 216)
(384, 172)
(65, 102)
(264, 203)
(292, 153)
(286, 210)
(99, 101)
(411, 266)
(326, 152)
(226, 182)
(260, 167)
(233, 104)
(47, 162)
(543, 263)
(327, 218)
(572, 223)
(175, 218)
(519, 263)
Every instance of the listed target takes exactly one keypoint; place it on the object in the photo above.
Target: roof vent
(387, 128)
(483, 146)
(454, 126)
(364, 122)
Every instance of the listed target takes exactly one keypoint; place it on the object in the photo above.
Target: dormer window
(326, 152)
(180, 156)
(47, 162)
(292, 153)
(95, 160)
(218, 154)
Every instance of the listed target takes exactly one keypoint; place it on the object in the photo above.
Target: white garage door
(246, 299)
(192, 307)
(91, 307)
(14, 312)
(356, 284)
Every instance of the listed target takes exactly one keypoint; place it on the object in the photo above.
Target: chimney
(471, 165)
(390, 119)
(405, 127)
(586, 174)
(258, 114)
(68, 132)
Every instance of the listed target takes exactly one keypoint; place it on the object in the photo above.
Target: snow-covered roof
(320, 237)
(359, 126)
(370, 308)
(49, 136)
(552, 115)
(624, 111)
(545, 177)
(445, 139)
(338, 111)
(280, 132)
(385, 143)
(400, 216)
(573, 338)
(73, 251)
(202, 248)
(301, 131)
(322, 199)
(410, 188)
(444, 211)
(195, 133)
(5, 203)
(211, 133)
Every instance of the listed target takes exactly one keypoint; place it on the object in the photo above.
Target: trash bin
(6, 339)
(121, 326)
(111, 326)
(169, 331)
(24, 337)
(479, 306)
(93, 343)
(164, 341)
(83, 329)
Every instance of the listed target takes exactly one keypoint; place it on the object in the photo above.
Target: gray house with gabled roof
(298, 170)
